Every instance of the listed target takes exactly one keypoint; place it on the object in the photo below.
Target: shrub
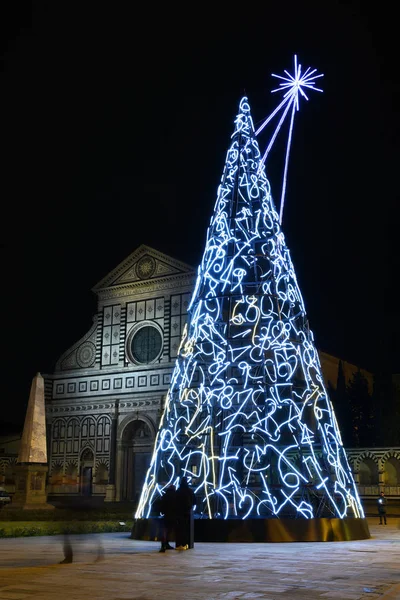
(25, 529)
(65, 514)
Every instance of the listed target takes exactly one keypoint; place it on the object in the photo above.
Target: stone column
(48, 447)
(356, 475)
(119, 471)
(381, 478)
(110, 488)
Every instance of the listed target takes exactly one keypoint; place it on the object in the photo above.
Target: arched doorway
(137, 446)
(86, 478)
(368, 472)
(392, 472)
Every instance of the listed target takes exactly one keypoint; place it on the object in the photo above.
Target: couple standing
(176, 507)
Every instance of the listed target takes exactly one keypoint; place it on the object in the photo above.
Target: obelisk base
(30, 488)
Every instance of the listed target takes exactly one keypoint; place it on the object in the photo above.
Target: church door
(142, 463)
(137, 448)
(87, 463)
(87, 481)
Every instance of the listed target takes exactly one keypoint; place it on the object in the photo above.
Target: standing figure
(67, 549)
(168, 522)
(185, 500)
(382, 508)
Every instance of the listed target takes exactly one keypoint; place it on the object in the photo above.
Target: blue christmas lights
(247, 417)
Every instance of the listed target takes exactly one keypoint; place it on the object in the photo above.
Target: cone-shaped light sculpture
(247, 418)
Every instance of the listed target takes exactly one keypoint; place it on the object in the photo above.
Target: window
(145, 344)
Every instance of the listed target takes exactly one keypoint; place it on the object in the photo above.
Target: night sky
(115, 126)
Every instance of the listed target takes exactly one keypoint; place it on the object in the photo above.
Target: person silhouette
(382, 508)
(185, 500)
(69, 553)
(167, 507)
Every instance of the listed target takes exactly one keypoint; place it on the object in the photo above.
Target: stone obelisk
(31, 467)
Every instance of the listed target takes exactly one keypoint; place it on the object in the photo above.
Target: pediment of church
(144, 264)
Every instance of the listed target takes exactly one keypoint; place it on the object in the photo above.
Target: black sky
(115, 125)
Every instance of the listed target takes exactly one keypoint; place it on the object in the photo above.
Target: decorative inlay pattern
(86, 355)
(145, 267)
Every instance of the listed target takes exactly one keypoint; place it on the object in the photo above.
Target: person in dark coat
(185, 500)
(382, 508)
(167, 506)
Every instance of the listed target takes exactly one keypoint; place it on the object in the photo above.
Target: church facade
(104, 400)
(107, 393)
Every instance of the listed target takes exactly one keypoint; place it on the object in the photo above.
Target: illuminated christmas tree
(247, 418)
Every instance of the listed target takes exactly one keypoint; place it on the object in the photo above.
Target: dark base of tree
(264, 530)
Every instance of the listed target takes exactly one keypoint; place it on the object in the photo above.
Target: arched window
(88, 427)
(73, 428)
(56, 430)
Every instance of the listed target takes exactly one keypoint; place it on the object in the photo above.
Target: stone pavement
(134, 570)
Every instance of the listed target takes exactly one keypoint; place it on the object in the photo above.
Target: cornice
(87, 409)
(110, 371)
(130, 260)
(150, 285)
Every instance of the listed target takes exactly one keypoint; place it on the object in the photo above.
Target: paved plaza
(134, 570)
